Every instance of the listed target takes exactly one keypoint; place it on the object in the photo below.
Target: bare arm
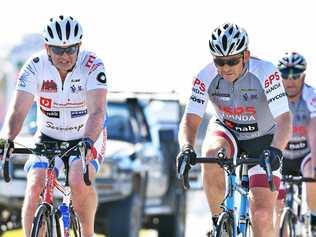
(17, 113)
(188, 129)
(283, 130)
(312, 140)
(96, 100)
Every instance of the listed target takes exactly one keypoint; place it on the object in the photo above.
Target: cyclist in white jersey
(300, 153)
(251, 115)
(69, 86)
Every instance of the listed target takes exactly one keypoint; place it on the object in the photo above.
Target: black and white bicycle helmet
(62, 31)
(292, 63)
(228, 39)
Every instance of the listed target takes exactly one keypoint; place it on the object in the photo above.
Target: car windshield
(119, 125)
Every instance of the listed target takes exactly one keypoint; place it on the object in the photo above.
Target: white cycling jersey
(246, 106)
(61, 106)
(303, 111)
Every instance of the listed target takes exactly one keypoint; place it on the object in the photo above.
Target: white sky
(160, 45)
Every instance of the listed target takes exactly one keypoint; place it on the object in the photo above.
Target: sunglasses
(220, 62)
(291, 76)
(60, 51)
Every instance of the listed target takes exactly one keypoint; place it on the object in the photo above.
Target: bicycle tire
(75, 223)
(42, 216)
(224, 226)
(287, 223)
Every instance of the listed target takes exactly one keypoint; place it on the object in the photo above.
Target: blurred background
(150, 45)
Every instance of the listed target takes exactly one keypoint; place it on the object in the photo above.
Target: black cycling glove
(186, 154)
(275, 156)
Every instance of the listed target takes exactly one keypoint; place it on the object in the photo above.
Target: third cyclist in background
(300, 152)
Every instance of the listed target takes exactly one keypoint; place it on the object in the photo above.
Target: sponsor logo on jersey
(247, 96)
(90, 61)
(69, 105)
(75, 80)
(221, 96)
(49, 86)
(277, 97)
(271, 79)
(101, 77)
(36, 59)
(79, 113)
(301, 116)
(294, 146)
(76, 89)
(299, 130)
(94, 67)
(51, 114)
(197, 91)
(197, 100)
(53, 126)
(313, 101)
(199, 84)
(272, 88)
(46, 102)
(241, 128)
(239, 113)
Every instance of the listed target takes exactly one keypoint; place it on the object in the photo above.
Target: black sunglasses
(291, 76)
(60, 51)
(220, 62)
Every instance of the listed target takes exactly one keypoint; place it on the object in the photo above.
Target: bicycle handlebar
(224, 162)
(49, 152)
(297, 179)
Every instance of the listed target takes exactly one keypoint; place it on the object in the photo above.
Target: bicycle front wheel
(224, 226)
(43, 222)
(287, 224)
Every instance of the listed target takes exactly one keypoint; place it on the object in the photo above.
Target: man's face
(231, 67)
(64, 58)
(293, 84)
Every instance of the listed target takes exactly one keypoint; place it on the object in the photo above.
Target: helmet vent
(241, 43)
(67, 30)
(58, 30)
(61, 17)
(219, 49)
(231, 47)
(224, 42)
(50, 32)
(76, 30)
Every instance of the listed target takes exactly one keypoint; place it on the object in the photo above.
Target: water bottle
(64, 211)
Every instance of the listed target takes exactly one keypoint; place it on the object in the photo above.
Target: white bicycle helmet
(292, 63)
(62, 31)
(228, 39)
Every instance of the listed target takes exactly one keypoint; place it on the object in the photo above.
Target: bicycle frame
(233, 187)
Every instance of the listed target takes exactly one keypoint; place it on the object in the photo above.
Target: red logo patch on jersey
(199, 84)
(46, 102)
(49, 86)
(271, 79)
(90, 61)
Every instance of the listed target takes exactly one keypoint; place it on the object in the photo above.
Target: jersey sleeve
(274, 91)
(96, 73)
(198, 99)
(311, 101)
(27, 77)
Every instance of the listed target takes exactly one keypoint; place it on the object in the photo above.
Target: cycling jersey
(61, 106)
(246, 106)
(303, 111)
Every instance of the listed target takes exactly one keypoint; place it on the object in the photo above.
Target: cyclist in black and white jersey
(251, 115)
(69, 86)
(300, 153)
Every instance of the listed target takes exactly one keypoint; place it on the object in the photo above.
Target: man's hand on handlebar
(184, 159)
(275, 158)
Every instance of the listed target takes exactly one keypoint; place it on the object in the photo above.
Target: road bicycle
(234, 221)
(294, 221)
(53, 217)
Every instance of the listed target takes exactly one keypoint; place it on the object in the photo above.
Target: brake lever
(85, 168)
(269, 170)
